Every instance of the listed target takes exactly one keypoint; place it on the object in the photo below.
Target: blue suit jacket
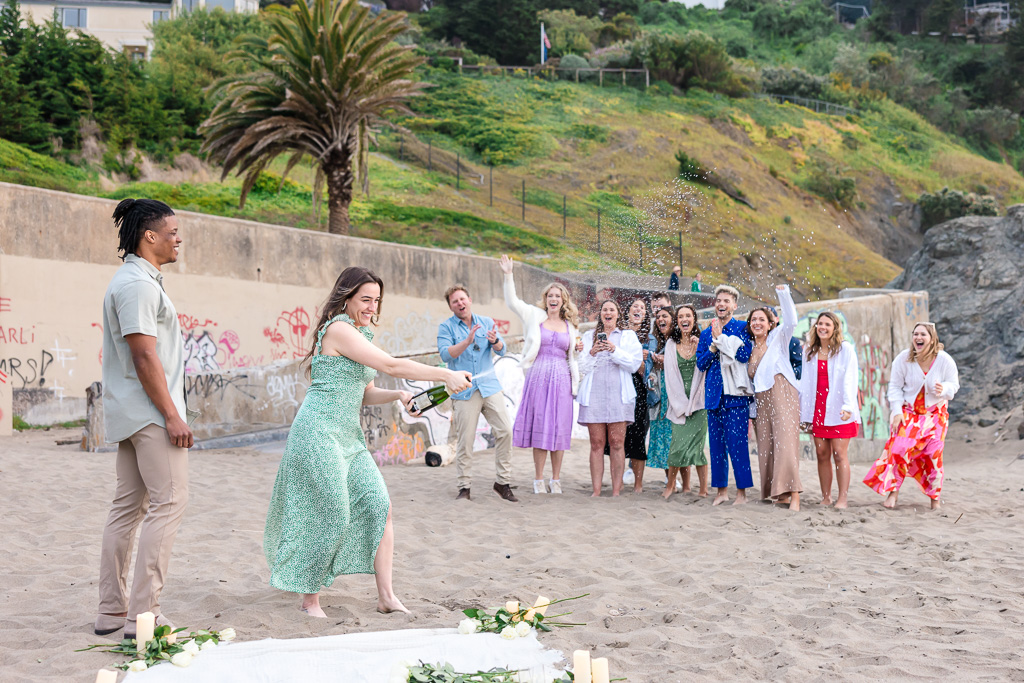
(708, 361)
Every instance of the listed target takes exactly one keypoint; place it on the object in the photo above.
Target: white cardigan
(775, 360)
(628, 355)
(533, 317)
(907, 378)
(843, 375)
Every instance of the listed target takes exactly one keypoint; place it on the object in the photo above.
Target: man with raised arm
(466, 342)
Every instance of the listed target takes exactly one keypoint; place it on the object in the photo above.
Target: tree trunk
(339, 176)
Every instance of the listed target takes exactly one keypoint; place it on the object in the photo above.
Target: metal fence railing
(819, 106)
(601, 222)
(621, 77)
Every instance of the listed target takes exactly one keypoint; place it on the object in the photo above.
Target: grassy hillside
(817, 184)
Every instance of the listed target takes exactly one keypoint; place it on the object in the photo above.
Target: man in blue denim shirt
(465, 342)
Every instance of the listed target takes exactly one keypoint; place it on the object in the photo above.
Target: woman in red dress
(828, 402)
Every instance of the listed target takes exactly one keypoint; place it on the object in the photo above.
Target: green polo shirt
(135, 303)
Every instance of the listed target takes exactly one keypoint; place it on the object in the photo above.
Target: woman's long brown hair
(932, 350)
(835, 343)
(345, 287)
(620, 322)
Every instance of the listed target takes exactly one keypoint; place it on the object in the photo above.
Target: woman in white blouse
(606, 396)
(828, 402)
(776, 402)
(923, 380)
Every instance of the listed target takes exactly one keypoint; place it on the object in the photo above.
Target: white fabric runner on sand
(358, 658)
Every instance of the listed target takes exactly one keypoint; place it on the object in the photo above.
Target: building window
(72, 17)
(161, 15)
(189, 5)
(137, 53)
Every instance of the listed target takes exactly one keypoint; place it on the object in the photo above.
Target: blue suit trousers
(727, 433)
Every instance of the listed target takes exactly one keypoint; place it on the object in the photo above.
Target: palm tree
(326, 75)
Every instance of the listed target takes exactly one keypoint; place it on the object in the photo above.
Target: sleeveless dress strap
(320, 332)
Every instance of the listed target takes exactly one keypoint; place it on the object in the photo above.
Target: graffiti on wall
(873, 364)
(27, 372)
(288, 336)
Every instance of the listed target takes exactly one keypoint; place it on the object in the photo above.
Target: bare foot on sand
(389, 605)
(638, 489)
(722, 497)
(703, 493)
(890, 500)
(783, 499)
(669, 490)
(741, 497)
(936, 504)
(311, 606)
(841, 503)
(826, 501)
(794, 503)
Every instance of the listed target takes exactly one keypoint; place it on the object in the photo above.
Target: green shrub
(948, 204)
(589, 131)
(690, 168)
(791, 82)
(827, 182)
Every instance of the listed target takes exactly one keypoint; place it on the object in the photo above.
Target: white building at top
(123, 25)
(709, 4)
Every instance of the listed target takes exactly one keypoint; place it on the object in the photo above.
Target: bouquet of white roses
(165, 646)
(513, 621)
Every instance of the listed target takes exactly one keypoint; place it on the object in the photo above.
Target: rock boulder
(972, 269)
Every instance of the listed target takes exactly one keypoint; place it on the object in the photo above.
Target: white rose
(208, 645)
(191, 647)
(182, 659)
(509, 633)
(226, 635)
(399, 673)
(522, 629)
(137, 665)
(468, 625)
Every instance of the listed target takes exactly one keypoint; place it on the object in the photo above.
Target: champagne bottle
(425, 400)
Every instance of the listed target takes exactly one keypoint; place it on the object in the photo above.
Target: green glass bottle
(425, 400)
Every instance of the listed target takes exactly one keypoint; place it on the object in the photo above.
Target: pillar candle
(599, 670)
(144, 625)
(540, 607)
(581, 666)
(512, 606)
(106, 676)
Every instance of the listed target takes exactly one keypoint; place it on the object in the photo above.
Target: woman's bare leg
(823, 451)
(702, 478)
(382, 564)
(638, 472)
(670, 488)
(598, 436)
(539, 456)
(617, 448)
(890, 500)
(684, 473)
(840, 448)
(794, 501)
(311, 605)
(936, 504)
(556, 465)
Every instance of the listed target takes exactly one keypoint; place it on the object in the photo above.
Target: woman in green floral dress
(330, 513)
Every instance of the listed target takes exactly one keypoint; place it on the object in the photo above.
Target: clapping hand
(716, 327)
(492, 336)
(506, 264)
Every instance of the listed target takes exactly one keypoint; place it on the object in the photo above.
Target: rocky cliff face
(972, 269)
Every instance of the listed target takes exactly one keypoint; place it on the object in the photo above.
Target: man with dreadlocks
(144, 413)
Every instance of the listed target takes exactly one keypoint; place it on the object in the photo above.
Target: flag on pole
(545, 45)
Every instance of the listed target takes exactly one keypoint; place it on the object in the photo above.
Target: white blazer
(775, 360)
(533, 317)
(843, 375)
(907, 378)
(628, 356)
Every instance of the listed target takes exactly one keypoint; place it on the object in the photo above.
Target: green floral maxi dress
(330, 503)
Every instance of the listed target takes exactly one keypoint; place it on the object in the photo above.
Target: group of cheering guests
(654, 387)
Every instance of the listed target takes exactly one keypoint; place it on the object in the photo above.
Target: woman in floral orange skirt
(923, 380)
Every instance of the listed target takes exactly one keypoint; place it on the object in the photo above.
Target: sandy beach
(678, 591)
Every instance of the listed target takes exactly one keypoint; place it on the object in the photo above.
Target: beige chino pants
(465, 416)
(152, 488)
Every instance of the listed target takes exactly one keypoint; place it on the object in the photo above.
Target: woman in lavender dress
(544, 420)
